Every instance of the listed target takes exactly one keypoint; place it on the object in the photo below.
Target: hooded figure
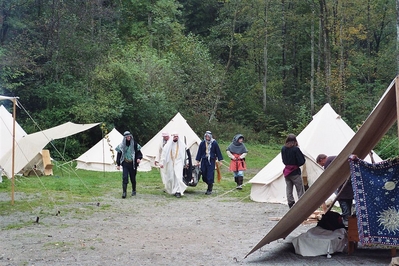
(172, 160)
(129, 156)
(237, 152)
(208, 153)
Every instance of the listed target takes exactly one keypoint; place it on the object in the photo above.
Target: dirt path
(159, 230)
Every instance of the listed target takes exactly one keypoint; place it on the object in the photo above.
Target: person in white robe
(165, 138)
(173, 159)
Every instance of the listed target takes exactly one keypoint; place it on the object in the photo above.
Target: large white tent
(377, 124)
(176, 124)
(102, 156)
(327, 133)
(6, 131)
(28, 149)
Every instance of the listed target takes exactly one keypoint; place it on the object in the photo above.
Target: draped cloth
(173, 160)
(377, 201)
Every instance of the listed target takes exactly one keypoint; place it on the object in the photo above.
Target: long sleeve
(300, 158)
(159, 154)
(230, 154)
(118, 158)
(200, 151)
(218, 152)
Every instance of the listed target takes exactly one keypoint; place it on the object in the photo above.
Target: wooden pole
(13, 150)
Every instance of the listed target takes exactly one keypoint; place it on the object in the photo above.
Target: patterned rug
(376, 192)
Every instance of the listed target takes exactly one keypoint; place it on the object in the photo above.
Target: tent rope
(389, 144)
(62, 167)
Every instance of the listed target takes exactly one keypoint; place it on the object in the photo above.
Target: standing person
(172, 160)
(208, 153)
(293, 158)
(344, 193)
(237, 152)
(129, 156)
(165, 138)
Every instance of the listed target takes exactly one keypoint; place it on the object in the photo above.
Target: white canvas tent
(176, 124)
(6, 131)
(380, 120)
(327, 133)
(28, 149)
(102, 156)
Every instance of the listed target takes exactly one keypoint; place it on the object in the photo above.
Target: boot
(133, 193)
(240, 180)
(124, 187)
(209, 190)
(236, 180)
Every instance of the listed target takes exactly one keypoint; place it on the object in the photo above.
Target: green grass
(68, 186)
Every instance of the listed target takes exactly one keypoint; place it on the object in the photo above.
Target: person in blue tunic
(207, 155)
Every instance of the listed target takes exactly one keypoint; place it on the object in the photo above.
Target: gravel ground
(159, 230)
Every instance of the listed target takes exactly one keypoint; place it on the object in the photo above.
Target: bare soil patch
(159, 230)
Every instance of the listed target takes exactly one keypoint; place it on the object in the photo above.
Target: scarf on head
(208, 144)
(127, 149)
(237, 147)
(174, 150)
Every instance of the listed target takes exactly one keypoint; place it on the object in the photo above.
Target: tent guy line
(29, 147)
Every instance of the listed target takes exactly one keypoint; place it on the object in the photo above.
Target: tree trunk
(326, 50)
(283, 40)
(312, 68)
(228, 64)
(342, 61)
(265, 62)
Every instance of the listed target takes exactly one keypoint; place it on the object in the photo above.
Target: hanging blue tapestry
(376, 192)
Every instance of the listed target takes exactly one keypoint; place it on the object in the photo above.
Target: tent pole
(397, 102)
(13, 151)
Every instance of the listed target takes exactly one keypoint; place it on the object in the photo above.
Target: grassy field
(71, 186)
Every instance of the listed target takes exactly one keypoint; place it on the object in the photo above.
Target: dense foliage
(262, 68)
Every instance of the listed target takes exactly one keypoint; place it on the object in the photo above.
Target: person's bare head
(321, 159)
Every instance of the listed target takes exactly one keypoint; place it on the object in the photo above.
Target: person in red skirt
(237, 152)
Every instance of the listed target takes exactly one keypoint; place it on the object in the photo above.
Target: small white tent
(102, 156)
(176, 124)
(327, 133)
(28, 149)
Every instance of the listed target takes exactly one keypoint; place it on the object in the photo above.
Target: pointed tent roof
(327, 133)
(176, 124)
(28, 147)
(102, 156)
(373, 129)
(6, 132)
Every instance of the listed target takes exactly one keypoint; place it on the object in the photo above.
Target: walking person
(129, 157)
(165, 138)
(237, 152)
(293, 159)
(207, 155)
(173, 160)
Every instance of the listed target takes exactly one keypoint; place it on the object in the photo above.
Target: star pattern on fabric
(376, 192)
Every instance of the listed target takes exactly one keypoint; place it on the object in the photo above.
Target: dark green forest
(258, 67)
